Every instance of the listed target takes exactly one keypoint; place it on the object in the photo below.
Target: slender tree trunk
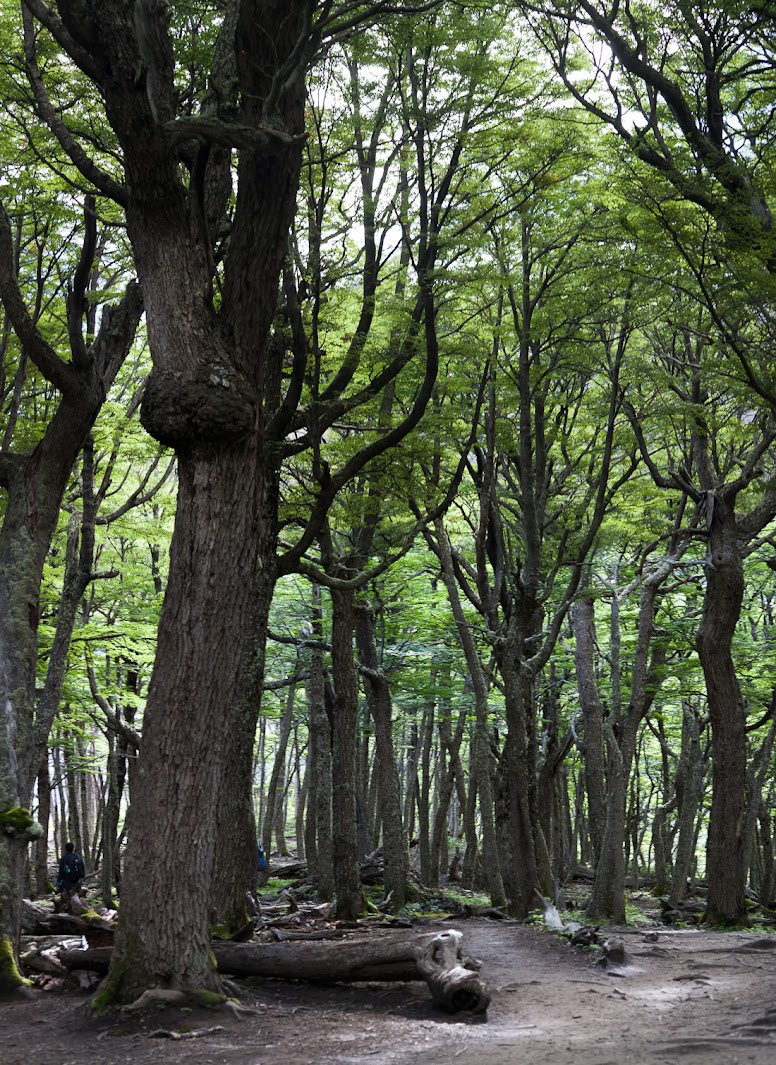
(583, 618)
(607, 898)
(35, 485)
(758, 772)
(274, 796)
(320, 800)
(767, 857)
(471, 848)
(110, 823)
(44, 820)
(301, 781)
(424, 791)
(378, 695)
(347, 885)
(452, 744)
(412, 747)
(689, 792)
(73, 805)
(491, 851)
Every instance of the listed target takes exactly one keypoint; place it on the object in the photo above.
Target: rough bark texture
(689, 791)
(517, 821)
(212, 392)
(726, 850)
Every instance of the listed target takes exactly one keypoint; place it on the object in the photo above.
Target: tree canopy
(386, 452)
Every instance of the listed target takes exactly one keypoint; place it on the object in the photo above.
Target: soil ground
(682, 996)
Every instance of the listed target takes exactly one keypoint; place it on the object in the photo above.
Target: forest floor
(680, 996)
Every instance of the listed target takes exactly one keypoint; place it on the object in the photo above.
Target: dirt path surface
(680, 997)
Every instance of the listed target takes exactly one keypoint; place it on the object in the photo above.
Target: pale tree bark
(689, 792)
(451, 777)
(276, 780)
(583, 618)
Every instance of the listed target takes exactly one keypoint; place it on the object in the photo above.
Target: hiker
(71, 872)
(263, 876)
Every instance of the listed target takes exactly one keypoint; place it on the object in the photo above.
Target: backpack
(72, 867)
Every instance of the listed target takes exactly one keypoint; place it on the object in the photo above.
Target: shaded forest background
(442, 334)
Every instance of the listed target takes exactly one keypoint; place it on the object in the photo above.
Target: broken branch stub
(455, 988)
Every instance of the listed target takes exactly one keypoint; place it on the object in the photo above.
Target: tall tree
(209, 256)
(689, 89)
(34, 475)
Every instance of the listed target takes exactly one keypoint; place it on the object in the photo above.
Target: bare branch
(99, 178)
(59, 373)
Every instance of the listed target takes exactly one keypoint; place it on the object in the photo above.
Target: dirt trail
(678, 998)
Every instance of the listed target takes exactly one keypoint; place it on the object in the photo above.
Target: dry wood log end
(454, 981)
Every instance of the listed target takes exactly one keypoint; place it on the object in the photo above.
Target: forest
(387, 465)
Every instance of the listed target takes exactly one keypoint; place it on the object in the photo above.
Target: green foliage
(19, 824)
(554, 242)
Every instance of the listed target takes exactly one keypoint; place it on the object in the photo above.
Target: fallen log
(454, 981)
(39, 954)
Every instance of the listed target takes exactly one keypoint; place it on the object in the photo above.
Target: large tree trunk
(174, 820)
(212, 394)
(516, 806)
(726, 848)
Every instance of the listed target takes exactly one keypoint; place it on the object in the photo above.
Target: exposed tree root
(156, 996)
